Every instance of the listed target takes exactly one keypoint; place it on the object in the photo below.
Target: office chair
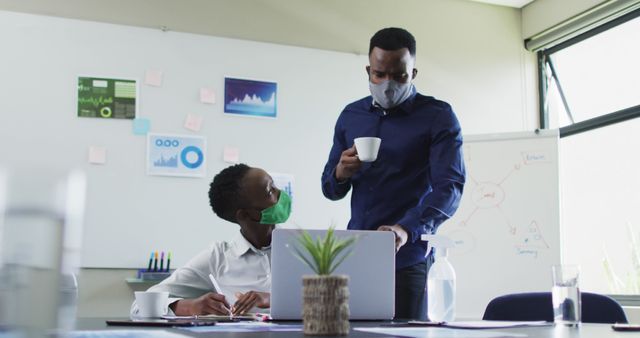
(538, 306)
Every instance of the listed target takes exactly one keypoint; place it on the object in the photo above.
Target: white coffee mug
(367, 148)
(151, 304)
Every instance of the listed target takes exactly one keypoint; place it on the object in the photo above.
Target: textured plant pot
(325, 305)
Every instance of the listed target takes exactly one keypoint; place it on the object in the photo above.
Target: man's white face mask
(390, 93)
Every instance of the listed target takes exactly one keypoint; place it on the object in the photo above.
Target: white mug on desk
(151, 304)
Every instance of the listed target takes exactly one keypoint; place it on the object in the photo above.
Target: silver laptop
(370, 267)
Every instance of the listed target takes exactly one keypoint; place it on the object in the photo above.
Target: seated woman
(242, 267)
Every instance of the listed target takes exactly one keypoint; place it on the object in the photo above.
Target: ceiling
(508, 3)
(340, 25)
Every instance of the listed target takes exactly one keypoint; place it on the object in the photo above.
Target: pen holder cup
(145, 275)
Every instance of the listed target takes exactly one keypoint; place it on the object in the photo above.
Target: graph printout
(107, 98)
(176, 155)
(250, 97)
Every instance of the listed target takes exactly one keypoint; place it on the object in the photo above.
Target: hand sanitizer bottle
(441, 281)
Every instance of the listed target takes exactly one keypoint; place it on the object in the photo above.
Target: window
(590, 89)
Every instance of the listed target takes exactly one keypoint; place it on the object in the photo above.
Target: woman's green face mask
(279, 212)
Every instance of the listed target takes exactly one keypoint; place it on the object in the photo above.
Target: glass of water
(566, 295)
(40, 245)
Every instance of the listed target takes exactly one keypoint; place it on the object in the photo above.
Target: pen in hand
(217, 289)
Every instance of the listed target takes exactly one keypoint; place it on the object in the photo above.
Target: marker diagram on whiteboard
(508, 199)
(176, 155)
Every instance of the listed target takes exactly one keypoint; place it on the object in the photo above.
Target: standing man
(416, 182)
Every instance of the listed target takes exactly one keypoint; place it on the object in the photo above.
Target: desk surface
(585, 331)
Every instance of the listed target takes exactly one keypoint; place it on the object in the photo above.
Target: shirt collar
(241, 246)
(404, 107)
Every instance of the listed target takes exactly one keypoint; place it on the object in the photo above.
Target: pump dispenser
(441, 281)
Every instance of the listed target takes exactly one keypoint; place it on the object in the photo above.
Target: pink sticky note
(231, 154)
(193, 122)
(207, 95)
(97, 155)
(153, 78)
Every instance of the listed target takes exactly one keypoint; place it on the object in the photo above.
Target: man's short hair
(225, 191)
(393, 38)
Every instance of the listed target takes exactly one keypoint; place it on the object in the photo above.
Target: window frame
(590, 124)
(543, 85)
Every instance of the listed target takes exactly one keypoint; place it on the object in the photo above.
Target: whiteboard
(507, 226)
(129, 213)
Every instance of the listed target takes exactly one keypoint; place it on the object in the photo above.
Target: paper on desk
(436, 332)
(213, 317)
(124, 334)
(245, 327)
(480, 324)
(493, 324)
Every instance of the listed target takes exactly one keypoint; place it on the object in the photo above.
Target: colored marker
(162, 261)
(262, 317)
(155, 262)
(168, 261)
(150, 261)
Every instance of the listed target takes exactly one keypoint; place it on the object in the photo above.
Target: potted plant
(325, 305)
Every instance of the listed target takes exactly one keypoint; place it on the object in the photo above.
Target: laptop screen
(370, 267)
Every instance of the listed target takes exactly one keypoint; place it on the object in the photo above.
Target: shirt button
(370, 188)
(366, 212)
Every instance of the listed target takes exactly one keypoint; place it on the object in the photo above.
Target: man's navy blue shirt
(418, 177)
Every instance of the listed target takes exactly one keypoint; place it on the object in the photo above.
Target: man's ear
(414, 73)
(368, 70)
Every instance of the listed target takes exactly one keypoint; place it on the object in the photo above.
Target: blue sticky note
(141, 126)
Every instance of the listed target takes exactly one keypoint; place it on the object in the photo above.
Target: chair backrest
(538, 306)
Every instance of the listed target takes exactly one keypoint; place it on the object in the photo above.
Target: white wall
(137, 213)
(472, 55)
(469, 54)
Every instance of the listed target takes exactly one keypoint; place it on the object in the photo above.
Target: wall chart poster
(250, 97)
(176, 155)
(107, 98)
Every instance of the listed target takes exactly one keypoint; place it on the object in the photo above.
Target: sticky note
(207, 95)
(141, 126)
(231, 154)
(193, 122)
(97, 155)
(153, 78)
